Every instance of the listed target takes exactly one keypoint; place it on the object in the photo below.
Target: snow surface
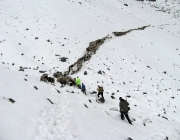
(137, 64)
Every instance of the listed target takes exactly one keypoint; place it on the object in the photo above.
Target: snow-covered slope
(143, 64)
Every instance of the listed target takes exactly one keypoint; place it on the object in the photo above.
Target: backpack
(101, 89)
(127, 104)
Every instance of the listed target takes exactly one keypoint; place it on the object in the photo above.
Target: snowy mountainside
(142, 65)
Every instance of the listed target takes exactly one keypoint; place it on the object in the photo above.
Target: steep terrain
(142, 66)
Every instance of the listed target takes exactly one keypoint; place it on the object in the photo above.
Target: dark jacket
(123, 105)
(83, 88)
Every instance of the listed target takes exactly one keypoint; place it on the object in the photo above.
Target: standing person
(100, 91)
(83, 88)
(123, 105)
(78, 82)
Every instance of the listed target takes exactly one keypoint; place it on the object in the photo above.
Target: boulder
(63, 59)
(100, 100)
(85, 72)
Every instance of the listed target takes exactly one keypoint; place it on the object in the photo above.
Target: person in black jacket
(123, 105)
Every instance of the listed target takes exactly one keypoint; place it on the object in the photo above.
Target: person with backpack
(123, 105)
(83, 88)
(78, 82)
(100, 91)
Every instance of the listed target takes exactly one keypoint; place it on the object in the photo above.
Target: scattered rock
(146, 121)
(35, 87)
(21, 69)
(58, 91)
(48, 40)
(41, 71)
(63, 59)
(50, 101)
(107, 112)
(36, 37)
(164, 117)
(99, 72)
(164, 72)
(128, 138)
(126, 4)
(128, 96)
(90, 101)
(85, 105)
(11, 100)
(112, 97)
(85, 72)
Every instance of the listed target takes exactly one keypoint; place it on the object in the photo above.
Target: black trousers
(126, 115)
(84, 92)
(100, 93)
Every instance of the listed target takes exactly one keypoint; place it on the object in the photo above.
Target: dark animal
(44, 78)
(56, 74)
(62, 80)
(51, 79)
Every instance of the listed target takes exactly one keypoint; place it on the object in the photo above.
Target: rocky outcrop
(64, 77)
(124, 33)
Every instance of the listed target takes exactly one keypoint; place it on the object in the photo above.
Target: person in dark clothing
(123, 105)
(100, 91)
(83, 89)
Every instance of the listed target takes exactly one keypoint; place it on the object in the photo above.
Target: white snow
(136, 62)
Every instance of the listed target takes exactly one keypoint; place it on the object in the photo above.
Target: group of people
(123, 104)
(82, 87)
